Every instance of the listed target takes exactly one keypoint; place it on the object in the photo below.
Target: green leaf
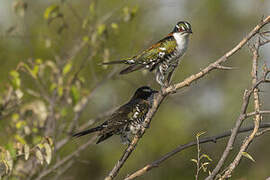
(63, 112)
(35, 70)
(34, 130)
(101, 29)
(36, 138)
(14, 73)
(134, 10)
(20, 139)
(85, 23)
(10, 147)
(92, 8)
(248, 156)
(20, 124)
(53, 86)
(114, 26)
(67, 68)
(15, 79)
(60, 90)
(85, 38)
(200, 133)
(38, 61)
(15, 117)
(205, 156)
(51, 12)
(75, 94)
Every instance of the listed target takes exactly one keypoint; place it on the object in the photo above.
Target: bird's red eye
(181, 28)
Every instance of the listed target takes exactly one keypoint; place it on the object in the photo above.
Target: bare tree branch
(172, 88)
(65, 159)
(182, 147)
(157, 101)
(257, 118)
(65, 140)
(218, 62)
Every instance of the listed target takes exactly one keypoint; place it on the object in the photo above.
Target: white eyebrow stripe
(188, 25)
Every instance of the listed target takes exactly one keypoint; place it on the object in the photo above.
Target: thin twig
(218, 62)
(65, 159)
(198, 158)
(63, 169)
(239, 120)
(262, 132)
(257, 118)
(257, 112)
(65, 140)
(172, 89)
(157, 101)
(84, 102)
(180, 148)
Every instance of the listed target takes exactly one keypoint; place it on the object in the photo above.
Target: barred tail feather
(114, 62)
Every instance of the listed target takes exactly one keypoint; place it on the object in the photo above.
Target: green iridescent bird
(127, 119)
(163, 56)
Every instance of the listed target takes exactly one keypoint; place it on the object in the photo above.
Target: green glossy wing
(157, 52)
(152, 56)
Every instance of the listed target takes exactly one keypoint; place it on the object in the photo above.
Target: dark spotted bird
(163, 56)
(127, 120)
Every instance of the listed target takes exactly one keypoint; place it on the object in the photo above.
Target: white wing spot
(131, 61)
(136, 114)
(162, 48)
(161, 54)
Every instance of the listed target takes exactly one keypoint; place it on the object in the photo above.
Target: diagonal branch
(254, 90)
(157, 101)
(180, 148)
(172, 88)
(217, 63)
(257, 118)
(65, 159)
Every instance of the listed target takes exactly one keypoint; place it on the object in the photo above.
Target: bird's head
(183, 28)
(144, 93)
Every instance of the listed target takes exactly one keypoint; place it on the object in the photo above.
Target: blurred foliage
(52, 85)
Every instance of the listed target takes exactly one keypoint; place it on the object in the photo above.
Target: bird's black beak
(190, 31)
(154, 91)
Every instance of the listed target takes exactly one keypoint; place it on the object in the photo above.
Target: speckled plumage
(162, 56)
(127, 119)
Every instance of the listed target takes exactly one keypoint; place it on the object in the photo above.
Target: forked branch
(173, 88)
